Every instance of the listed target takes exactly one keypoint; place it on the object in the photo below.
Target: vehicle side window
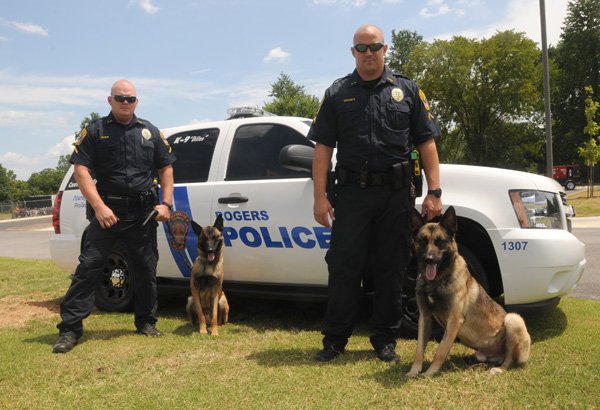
(255, 152)
(194, 152)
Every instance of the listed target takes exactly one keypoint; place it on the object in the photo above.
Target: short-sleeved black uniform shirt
(124, 158)
(373, 123)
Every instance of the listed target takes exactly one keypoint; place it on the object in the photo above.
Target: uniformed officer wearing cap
(123, 153)
(375, 118)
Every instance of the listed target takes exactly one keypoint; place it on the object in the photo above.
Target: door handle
(233, 200)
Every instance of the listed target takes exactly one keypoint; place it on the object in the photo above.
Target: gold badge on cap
(397, 94)
(146, 134)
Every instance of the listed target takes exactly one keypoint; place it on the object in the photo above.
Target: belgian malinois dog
(208, 305)
(448, 292)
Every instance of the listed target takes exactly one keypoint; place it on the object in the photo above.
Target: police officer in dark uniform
(124, 153)
(375, 118)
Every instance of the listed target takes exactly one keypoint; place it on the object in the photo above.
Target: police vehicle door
(270, 233)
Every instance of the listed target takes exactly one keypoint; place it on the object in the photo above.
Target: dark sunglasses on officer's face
(122, 98)
(362, 48)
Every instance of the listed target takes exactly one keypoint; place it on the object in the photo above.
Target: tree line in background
(486, 96)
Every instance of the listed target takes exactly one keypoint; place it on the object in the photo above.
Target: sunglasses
(122, 98)
(362, 48)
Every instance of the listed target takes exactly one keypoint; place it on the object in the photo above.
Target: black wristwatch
(168, 205)
(435, 192)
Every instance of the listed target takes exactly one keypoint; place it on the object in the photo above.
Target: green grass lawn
(264, 359)
(585, 206)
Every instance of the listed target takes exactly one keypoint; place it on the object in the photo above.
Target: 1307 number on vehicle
(514, 245)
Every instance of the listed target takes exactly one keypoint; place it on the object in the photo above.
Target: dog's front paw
(429, 373)
(414, 371)
(412, 374)
(202, 330)
(214, 332)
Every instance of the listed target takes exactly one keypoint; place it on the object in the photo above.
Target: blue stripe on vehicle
(185, 258)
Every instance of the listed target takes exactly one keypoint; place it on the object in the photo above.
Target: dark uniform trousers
(370, 232)
(141, 246)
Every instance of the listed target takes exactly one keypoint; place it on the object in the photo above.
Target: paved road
(28, 238)
(587, 230)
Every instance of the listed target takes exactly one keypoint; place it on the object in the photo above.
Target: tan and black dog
(208, 305)
(447, 292)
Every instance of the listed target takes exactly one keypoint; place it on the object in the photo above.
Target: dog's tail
(518, 342)
(517, 337)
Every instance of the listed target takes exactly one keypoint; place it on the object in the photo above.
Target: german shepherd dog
(447, 292)
(208, 305)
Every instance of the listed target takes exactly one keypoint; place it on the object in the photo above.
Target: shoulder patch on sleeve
(424, 99)
(81, 136)
(164, 140)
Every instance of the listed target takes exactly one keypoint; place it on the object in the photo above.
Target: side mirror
(297, 157)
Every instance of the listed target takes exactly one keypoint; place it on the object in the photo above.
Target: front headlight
(569, 210)
(537, 209)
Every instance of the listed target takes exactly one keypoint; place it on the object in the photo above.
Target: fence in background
(22, 209)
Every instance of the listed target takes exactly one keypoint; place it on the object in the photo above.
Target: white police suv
(514, 229)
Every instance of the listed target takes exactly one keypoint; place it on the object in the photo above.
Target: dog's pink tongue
(431, 271)
(211, 257)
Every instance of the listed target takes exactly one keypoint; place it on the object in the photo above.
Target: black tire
(115, 290)
(570, 185)
(410, 319)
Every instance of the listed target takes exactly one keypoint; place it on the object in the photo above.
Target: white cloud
(200, 71)
(34, 96)
(441, 10)
(62, 148)
(437, 8)
(24, 165)
(147, 6)
(277, 54)
(21, 165)
(13, 157)
(29, 28)
(26, 119)
(24, 99)
(522, 16)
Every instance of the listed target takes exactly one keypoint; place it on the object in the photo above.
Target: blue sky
(192, 59)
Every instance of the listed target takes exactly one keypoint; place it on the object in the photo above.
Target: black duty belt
(399, 176)
(365, 179)
(122, 201)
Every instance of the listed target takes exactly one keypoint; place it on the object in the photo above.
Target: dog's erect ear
(219, 222)
(197, 228)
(449, 221)
(416, 220)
